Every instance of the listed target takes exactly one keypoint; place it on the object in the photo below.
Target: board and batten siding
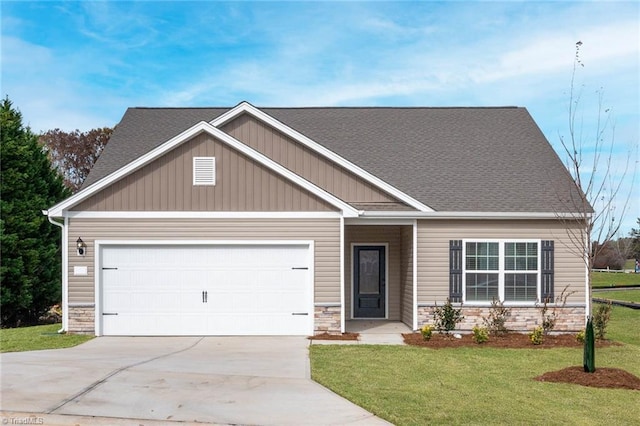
(314, 167)
(366, 234)
(166, 184)
(433, 252)
(324, 232)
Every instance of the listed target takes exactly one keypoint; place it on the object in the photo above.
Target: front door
(369, 286)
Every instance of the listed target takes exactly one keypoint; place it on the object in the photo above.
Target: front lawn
(37, 338)
(624, 327)
(478, 385)
(632, 295)
(611, 279)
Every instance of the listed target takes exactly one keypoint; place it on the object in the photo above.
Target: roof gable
(195, 130)
(247, 108)
(166, 184)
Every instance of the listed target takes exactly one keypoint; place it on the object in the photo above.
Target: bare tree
(73, 154)
(600, 204)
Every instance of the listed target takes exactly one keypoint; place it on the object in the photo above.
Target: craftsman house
(295, 221)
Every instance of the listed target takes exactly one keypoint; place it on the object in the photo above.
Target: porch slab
(376, 327)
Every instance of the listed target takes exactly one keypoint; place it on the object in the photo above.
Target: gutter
(65, 296)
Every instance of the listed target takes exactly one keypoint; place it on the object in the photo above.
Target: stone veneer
(522, 319)
(82, 319)
(327, 320)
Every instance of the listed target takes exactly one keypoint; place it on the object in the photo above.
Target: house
(295, 221)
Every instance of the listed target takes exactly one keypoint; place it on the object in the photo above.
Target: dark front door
(369, 282)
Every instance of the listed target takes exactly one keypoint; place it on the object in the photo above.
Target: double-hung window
(508, 271)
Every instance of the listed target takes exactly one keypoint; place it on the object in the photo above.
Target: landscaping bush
(446, 317)
(498, 314)
(537, 335)
(480, 334)
(549, 315)
(426, 332)
(580, 336)
(601, 318)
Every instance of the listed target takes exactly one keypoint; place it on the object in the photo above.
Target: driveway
(219, 380)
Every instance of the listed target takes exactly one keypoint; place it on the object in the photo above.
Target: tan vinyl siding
(166, 184)
(324, 232)
(376, 234)
(307, 163)
(433, 252)
(406, 263)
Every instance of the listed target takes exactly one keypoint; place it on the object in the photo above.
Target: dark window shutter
(547, 292)
(455, 271)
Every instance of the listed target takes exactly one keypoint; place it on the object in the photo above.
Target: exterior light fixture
(81, 247)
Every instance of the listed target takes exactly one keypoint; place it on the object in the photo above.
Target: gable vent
(204, 170)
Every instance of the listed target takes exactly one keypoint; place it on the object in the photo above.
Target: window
(204, 170)
(508, 271)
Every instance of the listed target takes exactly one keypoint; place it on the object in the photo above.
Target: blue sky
(81, 64)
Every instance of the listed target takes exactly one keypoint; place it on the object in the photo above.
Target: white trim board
(203, 127)
(199, 215)
(246, 107)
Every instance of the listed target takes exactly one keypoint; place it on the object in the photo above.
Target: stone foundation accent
(82, 319)
(522, 319)
(326, 320)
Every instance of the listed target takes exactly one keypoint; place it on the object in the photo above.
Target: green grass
(415, 386)
(632, 295)
(624, 326)
(610, 279)
(630, 264)
(37, 338)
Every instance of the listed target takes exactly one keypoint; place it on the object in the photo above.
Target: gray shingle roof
(492, 159)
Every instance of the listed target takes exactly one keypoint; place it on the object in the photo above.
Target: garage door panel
(206, 290)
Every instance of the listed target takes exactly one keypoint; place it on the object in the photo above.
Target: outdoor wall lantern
(81, 246)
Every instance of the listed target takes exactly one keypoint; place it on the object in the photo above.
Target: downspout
(64, 270)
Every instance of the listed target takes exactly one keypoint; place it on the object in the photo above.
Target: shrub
(446, 317)
(601, 318)
(480, 334)
(580, 336)
(537, 335)
(426, 331)
(497, 318)
(549, 315)
(548, 319)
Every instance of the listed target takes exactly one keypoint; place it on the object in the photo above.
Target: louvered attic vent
(204, 170)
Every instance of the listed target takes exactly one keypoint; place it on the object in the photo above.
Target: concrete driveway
(158, 380)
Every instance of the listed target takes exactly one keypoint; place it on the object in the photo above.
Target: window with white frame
(508, 271)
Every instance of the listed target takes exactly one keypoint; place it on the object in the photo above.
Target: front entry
(369, 286)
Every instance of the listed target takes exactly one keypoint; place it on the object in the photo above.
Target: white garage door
(206, 290)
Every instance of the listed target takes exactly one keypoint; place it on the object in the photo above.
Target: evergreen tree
(30, 246)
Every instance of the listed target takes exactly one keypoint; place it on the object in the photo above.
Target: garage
(157, 289)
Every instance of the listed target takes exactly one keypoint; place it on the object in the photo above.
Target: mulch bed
(327, 336)
(509, 341)
(612, 378)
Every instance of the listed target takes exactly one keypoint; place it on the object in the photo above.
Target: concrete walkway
(372, 332)
(215, 380)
